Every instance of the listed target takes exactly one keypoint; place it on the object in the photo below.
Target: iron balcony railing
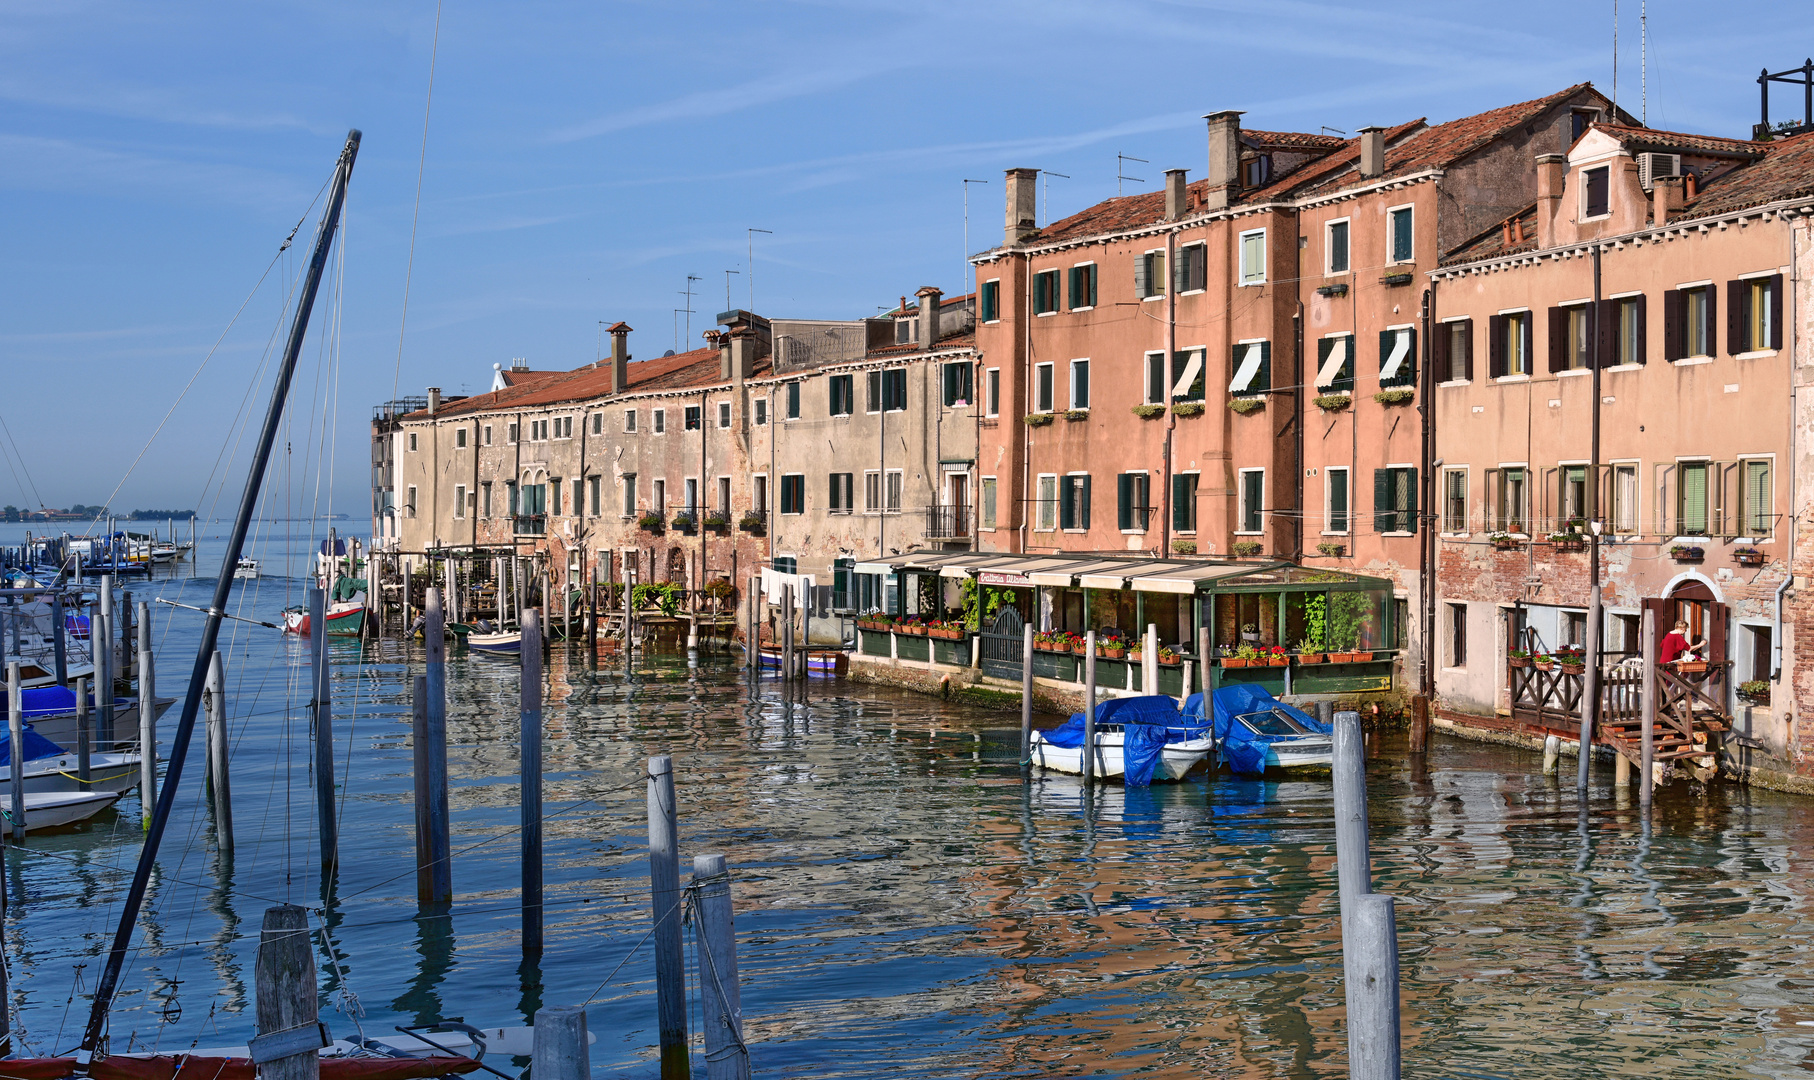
(530, 524)
(950, 522)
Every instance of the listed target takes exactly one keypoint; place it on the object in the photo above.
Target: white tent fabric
(1401, 348)
(1193, 367)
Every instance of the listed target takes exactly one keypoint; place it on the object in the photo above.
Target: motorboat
(345, 617)
(1146, 733)
(509, 642)
(51, 711)
(1254, 731)
(1290, 744)
(246, 569)
(49, 809)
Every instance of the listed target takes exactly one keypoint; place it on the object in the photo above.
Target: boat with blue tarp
(1254, 731)
(1139, 739)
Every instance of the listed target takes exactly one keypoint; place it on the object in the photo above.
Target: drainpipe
(1776, 637)
(1593, 469)
(1426, 537)
(1026, 393)
(1171, 419)
(1300, 408)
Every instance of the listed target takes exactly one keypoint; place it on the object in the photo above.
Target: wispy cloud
(801, 82)
(44, 164)
(142, 103)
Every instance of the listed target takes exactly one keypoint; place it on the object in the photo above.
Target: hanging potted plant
(1686, 553)
(1572, 660)
(1518, 658)
(1544, 662)
(1747, 556)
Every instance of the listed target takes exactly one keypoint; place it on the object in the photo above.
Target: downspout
(700, 500)
(1593, 468)
(1026, 394)
(1171, 419)
(1776, 636)
(1300, 410)
(1426, 545)
(475, 483)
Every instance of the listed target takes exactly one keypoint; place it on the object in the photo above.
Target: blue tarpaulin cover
(1148, 723)
(1244, 750)
(36, 746)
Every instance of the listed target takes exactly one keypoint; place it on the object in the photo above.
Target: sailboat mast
(179, 747)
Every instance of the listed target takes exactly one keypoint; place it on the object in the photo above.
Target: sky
(582, 161)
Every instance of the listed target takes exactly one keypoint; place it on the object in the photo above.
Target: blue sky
(583, 160)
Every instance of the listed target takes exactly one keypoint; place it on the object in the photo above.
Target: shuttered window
(1253, 257)
(1080, 384)
(1335, 518)
(793, 493)
(1400, 225)
(1083, 286)
(1398, 357)
(1596, 197)
(1187, 375)
(843, 401)
(1455, 501)
(990, 301)
(1452, 351)
(1252, 367)
(1691, 499)
(1042, 388)
(956, 381)
(1625, 499)
(1395, 500)
(1155, 378)
(1335, 364)
(1149, 274)
(988, 502)
(1193, 268)
(1131, 501)
(1074, 502)
(1338, 247)
(1045, 292)
(1755, 515)
(842, 496)
(1184, 502)
(793, 401)
(1253, 500)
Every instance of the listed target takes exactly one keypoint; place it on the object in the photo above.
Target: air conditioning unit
(1654, 167)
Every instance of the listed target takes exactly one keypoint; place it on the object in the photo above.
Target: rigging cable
(409, 268)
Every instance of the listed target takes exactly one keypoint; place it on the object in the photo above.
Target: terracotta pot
(1310, 658)
(1545, 665)
(1233, 662)
(1277, 661)
(1518, 661)
(1112, 654)
(1080, 649)
(1171, 663)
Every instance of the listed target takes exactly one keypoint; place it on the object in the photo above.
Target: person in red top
(1676, 644)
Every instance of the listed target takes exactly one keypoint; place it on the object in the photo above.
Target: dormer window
(1257, 171)
(1596, 191)
(1578, 123)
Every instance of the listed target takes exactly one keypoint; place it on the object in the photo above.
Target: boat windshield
(1274, 722)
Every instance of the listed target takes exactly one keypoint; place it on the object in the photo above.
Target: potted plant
(1504, 541)
(1309, 652)
(1333, 549)
(753, 522)
(1243, 406)
(1396, 395)
(1544, 662)
(1692, 666)
(1276, 656)
(1401, 278)
(1184, 547)
(1568, 541)
(1136, 652)
(1686, 553)
(1747, 556)
(1332, 290)
(1518, 658)
(1188, 408)
(1755, 691)
(1169, 656)
(719, 590)
(1334, 402)
(1080, 645)
(1111, 646)
(1245, 549)
(1077, 414)
(1571, 659)
(686, 521)
(1147, 412)
(717, 519)
(651, 521)
(1038, 419)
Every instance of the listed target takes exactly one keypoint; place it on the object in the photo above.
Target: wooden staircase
(1690, 719)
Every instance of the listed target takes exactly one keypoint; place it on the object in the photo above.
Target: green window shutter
(1083, 499)
(1124, 500)
(1092, 286)
(1263, 381)
(1142, 276)
(1181, 500)
(1066, 505)
(1076, 283)
(1693, 517)
(1409, 522)
(990, 299)
(1382, 500)
(1757, 498)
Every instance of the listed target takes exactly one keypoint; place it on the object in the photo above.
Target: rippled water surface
(908, 904)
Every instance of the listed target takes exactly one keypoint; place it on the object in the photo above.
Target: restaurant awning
(1178, 576)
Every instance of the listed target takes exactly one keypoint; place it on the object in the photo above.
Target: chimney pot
(1176, 205)
(620, 357)
(1666, 199)
(1372, 152)
(1224, 177)
(434, 400)
(1023, 220)
(741, 354)
(929, 303)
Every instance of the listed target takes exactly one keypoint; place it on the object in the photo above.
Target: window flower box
(1397, 279)
(1147, 412)
(1505, 542)
(1169, 657)
(945, 633)
(1188, 408)
(1754, 691)
(1544, 663)
(1568, 541)
(1245, 549)
(1305, 658)
(1333, 402)
(1113, 651)
(1038, 419)
(1332, 290)
(1243, 406)
(652, 522)
(1397, 395)
(1692, 667)
(1234, 661)
(1687, 553)
(1077, 414)
(1518, 658)
(753, 522)
(1332, 549)
(1747, 556)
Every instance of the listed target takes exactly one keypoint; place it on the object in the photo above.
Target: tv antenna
(1121, 161)
(1045, 194)
(727, 287)
(689, 308)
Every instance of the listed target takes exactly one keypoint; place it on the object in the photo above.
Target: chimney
(1175, 207)
(717, 340)
(1224, 178)
(929, 299)
(1023, 220)
(1372, 152)
(1552, 170)
(434, 400)
(740, 358)
(620, 356)
(1666, 198)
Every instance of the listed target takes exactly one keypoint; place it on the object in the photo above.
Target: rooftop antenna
(1644, 62)
(1338, 131)
(677, 313)
(751, 236)
(1121, 161)
(689, 308)
(966, 274)
(1615, 61)
(1045, 195)
(727, 287)
(601, 343)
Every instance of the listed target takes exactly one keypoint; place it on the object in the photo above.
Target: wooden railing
(1689, 705)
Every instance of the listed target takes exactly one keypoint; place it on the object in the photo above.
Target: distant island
(79, 512)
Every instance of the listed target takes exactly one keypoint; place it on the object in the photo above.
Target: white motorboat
(246, 569)
(1174, 761)
(508, 643)
(114, 773)
(49, 809)
(1289, 744)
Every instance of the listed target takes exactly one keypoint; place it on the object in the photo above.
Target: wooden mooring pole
(285, 984)
(1089, 708)
(220, 788)
(102, 653)
(84, 736)
(559, 1048)
(787, 632)
(147, 670)
(1370, 958)
(15, 732)
(322, 715)
(726, 1055)
(664, 892)
(1026, 695)
(1647, 712)
(1590, 696)
(434, 873)
(531, 756)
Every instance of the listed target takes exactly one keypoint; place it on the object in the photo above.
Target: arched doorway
(1694, 602)
(677, 566)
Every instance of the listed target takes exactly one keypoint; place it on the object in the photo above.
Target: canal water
(907, 903)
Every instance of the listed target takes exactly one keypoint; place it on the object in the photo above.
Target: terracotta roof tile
(1786, 172)
(1290, 140)
(523, 376)
(1497, 241)
(964, 340)
(1673, 141)
(698, 368)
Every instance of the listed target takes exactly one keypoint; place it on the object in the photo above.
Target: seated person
(1677, 646)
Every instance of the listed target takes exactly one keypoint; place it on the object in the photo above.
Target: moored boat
(1138, 739)
(49, 809)
(346, 618)
(510, 642)
(1255, 732)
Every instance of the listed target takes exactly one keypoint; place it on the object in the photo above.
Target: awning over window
(1332, 367)
(1401, 350)
(1251, 356)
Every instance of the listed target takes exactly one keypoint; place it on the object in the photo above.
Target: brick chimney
(1023, 220)
(434, 400)
(1552, 173)
(1666, 199)
(620, 356)
(1224, 177)
(715, 339)
(1175, 206)
(1372, 152)
(929, 301)
(740, 358)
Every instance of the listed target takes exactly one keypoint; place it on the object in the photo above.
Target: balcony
(754, 522)
(950, 523)
(529, 524)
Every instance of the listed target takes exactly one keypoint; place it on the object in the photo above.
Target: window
(1045, 292)
(842, 498)
(409, 502)
(1458, 635)
(1571, 343)
(485, 498)
(412, 442)
(1083, 286)
(1074, 502)
(904, 331)
(1572, 498)
(793, 401)
(554, 492)
(724, 414)
(1042, 388)
(1252, 367)
(1187, 375)
(988, 502)
(658, 495)
(882, 491)
(1596, 191)
(1193, 268)
(1455, 501)
(955, 381)
(1510, 501)
(843, 398)
(1691, 498)
(1395, 500)
(1755, 502)
(1336, 500)
(1080, 384)
(1453, 350)
(511, 433)
(1625, 499)
(1253, 500)
(759, 493)
(723, 504)
(690, 418)
(1149, 274)
(459, 501)
(459, 438)
(992, 406)
(1256, 171)
(535, 499)
(598, 423)
(1335, 246)
(594, 489)
(1132, 501)
(793, 493)
(1511, 344)
(872, 491)
(658, 420)
(761, 411)
(1398, 356)
(887, 390)
(1048, 503)
(1253, 257)
(510, 495)
(487, 434)
(1754, 321)
(563, 427)
(1184, 502)
(1398, 235)
(1155, 378)
(629, 421)
(1578, 122)
(1688, 322)
(1627, 321)
(1335, 364)
(538, 431)
(991, 301)
(893, 479)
